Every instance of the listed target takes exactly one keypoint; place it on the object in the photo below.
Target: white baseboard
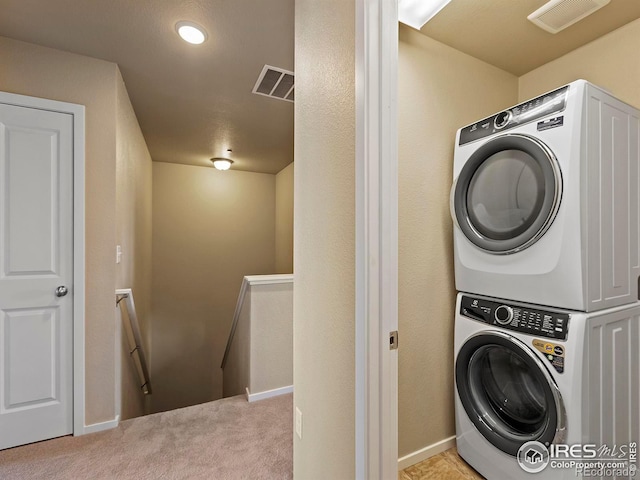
(99, 427)
(426, 452)
(254, 397)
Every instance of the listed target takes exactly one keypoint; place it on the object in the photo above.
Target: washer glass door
(507, 392)
(507, 193)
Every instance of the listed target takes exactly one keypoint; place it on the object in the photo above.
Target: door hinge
(393, 340)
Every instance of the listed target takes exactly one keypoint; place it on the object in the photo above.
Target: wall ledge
(268, 279)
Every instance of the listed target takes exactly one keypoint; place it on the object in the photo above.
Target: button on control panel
(517, 318)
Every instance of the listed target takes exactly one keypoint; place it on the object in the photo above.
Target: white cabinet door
(36, 257)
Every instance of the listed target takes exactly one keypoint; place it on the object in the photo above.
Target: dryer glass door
(507, 392)
(507, 193)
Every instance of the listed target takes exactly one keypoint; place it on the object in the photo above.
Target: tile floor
(446, 466)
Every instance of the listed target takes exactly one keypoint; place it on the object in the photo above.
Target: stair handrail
(126, 295)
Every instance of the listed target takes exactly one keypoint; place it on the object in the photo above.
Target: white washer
(545, 201)
(524, 373)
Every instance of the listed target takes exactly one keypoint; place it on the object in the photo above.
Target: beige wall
(440, 90)
(611, 62)
(284, 220)
(210, 228)
(133, 234)
(42, 72)
(271, 337)
(324, 238)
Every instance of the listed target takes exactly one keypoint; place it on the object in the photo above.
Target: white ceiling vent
(275, 83)
(557, 15)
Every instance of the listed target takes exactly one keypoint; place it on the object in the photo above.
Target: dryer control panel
(526, 112)
(541, 323)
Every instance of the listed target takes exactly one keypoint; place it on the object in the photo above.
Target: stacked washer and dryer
(546, 209)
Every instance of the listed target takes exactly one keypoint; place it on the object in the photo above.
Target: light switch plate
(299, 423)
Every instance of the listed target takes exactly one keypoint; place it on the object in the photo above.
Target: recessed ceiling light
(416, 13)
(191, 32)
(222, 163)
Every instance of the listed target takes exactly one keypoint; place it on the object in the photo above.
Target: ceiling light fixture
(222, 163)
(191, 32)
(416, 13)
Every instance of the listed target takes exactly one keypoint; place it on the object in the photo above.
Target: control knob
(503, 314)
(502, 119)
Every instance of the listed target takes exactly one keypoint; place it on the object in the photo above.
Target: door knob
(61, 291)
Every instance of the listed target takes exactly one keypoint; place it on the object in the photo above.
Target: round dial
(502, 119)
(503, 314)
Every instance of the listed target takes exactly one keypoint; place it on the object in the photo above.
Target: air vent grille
(557, 15)
(275, 83)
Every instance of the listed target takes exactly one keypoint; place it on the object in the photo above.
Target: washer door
(507, 193)
(508, 393)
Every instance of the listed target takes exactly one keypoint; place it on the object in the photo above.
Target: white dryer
(545, 201)
(524, 374)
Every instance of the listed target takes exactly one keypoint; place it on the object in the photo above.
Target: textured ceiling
(192, 102)
(498, 32)
(195, 102)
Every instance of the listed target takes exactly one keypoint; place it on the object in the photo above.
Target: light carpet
(225, 439)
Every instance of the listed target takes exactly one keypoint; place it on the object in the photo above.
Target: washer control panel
(517, 318)
(526, 112)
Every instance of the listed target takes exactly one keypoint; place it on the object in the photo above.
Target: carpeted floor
(226, 439)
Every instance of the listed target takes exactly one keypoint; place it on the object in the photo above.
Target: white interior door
(36, 258)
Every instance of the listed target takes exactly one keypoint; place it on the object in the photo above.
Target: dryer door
(508, 393)
(507, 193)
